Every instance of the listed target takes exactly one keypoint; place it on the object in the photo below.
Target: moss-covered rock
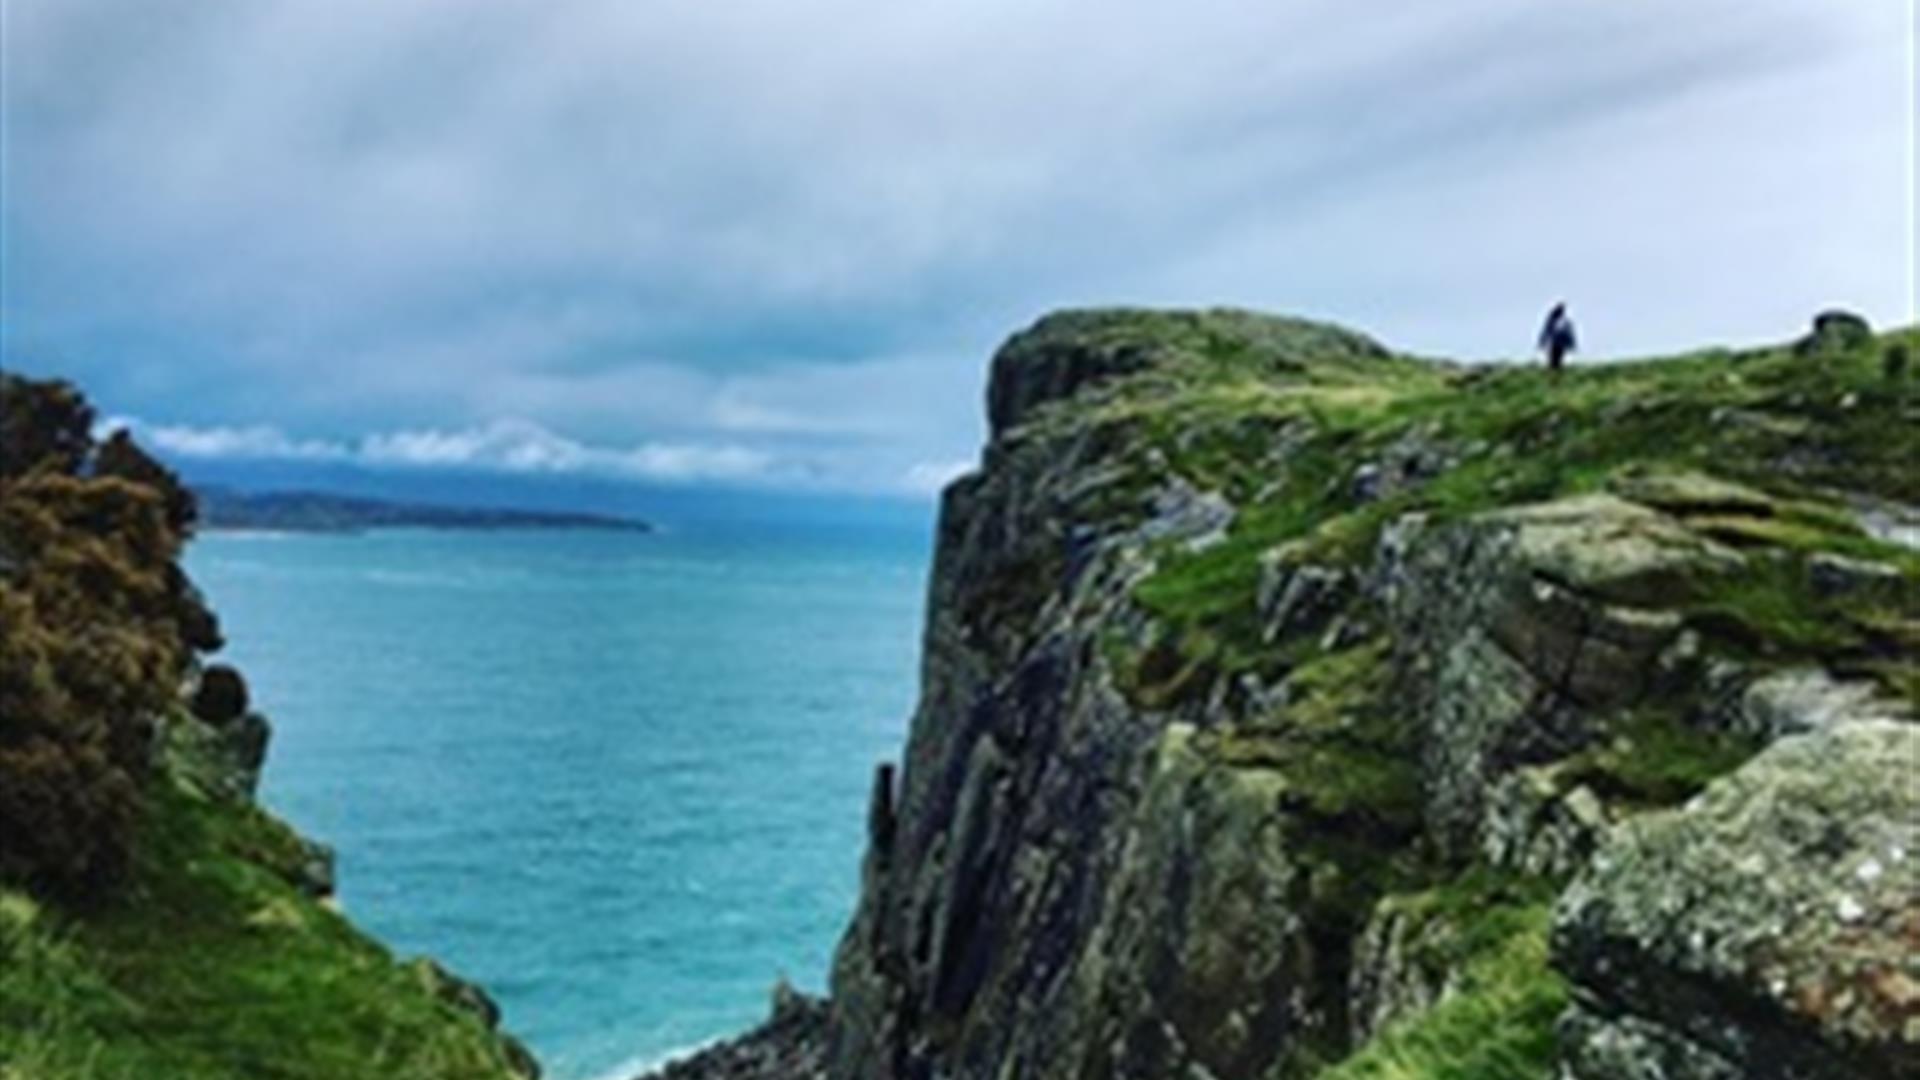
(1519, 631)
(1274, 682)
(1765, 929)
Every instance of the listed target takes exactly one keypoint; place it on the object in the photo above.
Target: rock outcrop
(1275, 685)
(792, 1045)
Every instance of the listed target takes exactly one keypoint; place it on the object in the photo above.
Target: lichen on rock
(1768, 925)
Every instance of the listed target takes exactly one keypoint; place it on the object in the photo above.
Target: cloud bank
(512, 445)
(773, 242)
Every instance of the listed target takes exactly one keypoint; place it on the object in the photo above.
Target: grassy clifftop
(1320, 441)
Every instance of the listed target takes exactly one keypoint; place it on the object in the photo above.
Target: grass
(1499, 1024)
(1652, 757)
(1345, 753)
(1282, 443)
(1516, 437)
(213, 965)
(1499, 1027)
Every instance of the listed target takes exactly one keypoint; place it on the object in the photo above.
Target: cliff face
(1293, 708)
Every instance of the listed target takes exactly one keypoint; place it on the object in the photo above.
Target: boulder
(1179, 511)
(470, 998)
(1834, 331)
(1614, 550)
(1887, 520)
(1402, 465)
(1766, 930)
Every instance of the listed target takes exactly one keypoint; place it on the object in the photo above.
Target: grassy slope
(211, 965)
(1217, 413)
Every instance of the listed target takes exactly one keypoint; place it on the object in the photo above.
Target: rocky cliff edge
(1294, 707)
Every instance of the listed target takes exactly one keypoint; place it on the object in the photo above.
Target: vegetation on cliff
(154, 921)
(1773, 454)
(1283, 692)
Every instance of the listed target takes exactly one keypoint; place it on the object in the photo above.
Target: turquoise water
(618, 779)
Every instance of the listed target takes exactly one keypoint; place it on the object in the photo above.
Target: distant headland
(224, 508)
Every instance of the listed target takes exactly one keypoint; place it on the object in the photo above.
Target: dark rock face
(1051, 361)
(791, 1045)
(1037, 901)
(1766, 930)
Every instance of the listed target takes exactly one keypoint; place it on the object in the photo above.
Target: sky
(771, 243)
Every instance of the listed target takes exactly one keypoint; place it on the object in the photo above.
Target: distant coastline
(225, 509)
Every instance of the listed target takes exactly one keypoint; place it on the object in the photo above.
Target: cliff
(1292, 707)
(155, 921)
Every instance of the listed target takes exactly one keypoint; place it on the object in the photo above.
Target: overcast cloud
(773, 242)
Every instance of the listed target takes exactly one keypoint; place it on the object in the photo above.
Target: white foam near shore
(641, 1065)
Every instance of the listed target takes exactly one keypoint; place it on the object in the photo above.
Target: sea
(619, 779)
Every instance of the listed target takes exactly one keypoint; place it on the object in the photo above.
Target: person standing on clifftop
(1556, 337)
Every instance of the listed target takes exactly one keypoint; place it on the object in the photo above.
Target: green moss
(1516, 437)
(1216, 588)
(212, 965)
(1652, 757)
(1343, 753)
(1773, 611)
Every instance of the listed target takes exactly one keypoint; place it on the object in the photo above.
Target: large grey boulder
(1768, 929)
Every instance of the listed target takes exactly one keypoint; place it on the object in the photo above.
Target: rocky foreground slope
(1294, 708)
